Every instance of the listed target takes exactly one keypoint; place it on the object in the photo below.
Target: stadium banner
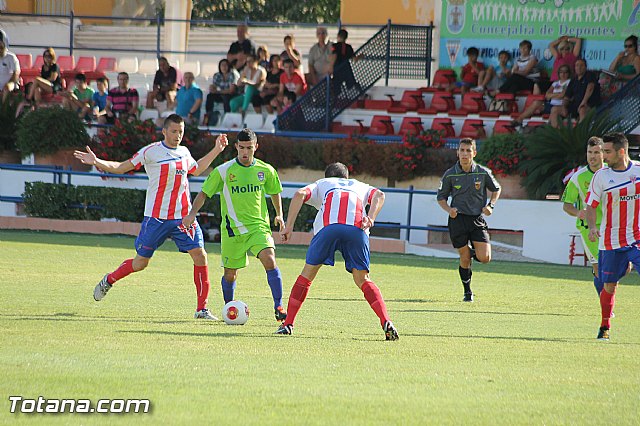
(378, 12)
(495, 25)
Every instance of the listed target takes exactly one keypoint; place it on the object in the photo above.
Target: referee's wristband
(493, 206)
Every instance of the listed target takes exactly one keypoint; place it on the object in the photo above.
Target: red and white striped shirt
(619, 193)
(168, 195)
(338, 201)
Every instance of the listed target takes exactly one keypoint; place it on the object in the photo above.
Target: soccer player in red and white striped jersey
(617, 188)
(341, 224)
(168, 200)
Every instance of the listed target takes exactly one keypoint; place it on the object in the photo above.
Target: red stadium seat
(105, 64)
(30, 74)
(441, 102)
(472, 103)
(445, 125)
(66, 62)
(86, 64)
(381, 125)
(442, 79)
(410, 125)
(377, 104)
(473, 128)
(530, 99)
(25, 60)
(501, 127)
(411, 101)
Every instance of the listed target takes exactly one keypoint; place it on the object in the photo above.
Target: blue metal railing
(59, 175)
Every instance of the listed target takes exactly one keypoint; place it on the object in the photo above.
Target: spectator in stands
(553, 104)
(288, 100)
(263, 56)
(493, 77)
(319, 57)
(165, 85)
(222, 90)
(583, 92)
(251, 81)
(566, 51)
(99, 100)
(290, 52)
(238, 51)
(79, 99)
(271, 84)
(9, 67)
(122, 101)
(624, 67)
(341, 52)
(189, 98)
(470, 72)
(290, 81)
(49, 81)
(524, 73)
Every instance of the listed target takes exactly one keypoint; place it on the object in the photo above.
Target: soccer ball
(235, 313)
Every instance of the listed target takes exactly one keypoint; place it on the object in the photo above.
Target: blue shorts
(613, 264)
(154, 232)
(352, 242)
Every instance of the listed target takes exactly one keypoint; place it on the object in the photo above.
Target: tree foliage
(311, 11)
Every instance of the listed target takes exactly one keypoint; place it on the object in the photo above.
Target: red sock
(201, 279)
(296, 298)
(607, 300)
(123, 270)
(374, 297)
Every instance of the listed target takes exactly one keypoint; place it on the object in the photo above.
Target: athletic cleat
(468, 297)
(603, 334)
(101, 289)
(205, 314)
(281, 314)
(285, 329)
(390, 332)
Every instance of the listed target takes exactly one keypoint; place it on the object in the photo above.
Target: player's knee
(230, 276)
(484, 257)
(140, 263)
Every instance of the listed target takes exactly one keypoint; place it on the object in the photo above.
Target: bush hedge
(60, 201)
(48, 130)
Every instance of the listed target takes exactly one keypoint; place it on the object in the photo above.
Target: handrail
(58, 173)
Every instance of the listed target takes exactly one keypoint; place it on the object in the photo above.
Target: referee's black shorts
(466, 228)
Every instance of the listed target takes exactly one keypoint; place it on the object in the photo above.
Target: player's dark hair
(173, 118)
(247, 135)
(81, 77)
(595, 141)
(467, 141)
(619, 140)
(473, 51)
(338, 170)
(343, 33)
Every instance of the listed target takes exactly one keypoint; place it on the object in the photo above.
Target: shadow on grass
(73, 317)
(540, 270)
(438, 311)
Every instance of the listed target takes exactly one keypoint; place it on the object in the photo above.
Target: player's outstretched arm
(116, 167)
(276, 200)
(294, 208)
(205, 162)
(197, 204)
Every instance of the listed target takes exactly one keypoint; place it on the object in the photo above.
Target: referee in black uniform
(467, 184)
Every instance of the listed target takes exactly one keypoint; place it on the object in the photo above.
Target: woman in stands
(553, 103)
(49, 81)
(271, 84)
(263, 56)
(566, 51)
(250, 83)
(625, 67)
(221, 91)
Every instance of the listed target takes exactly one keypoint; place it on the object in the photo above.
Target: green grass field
(524, 353)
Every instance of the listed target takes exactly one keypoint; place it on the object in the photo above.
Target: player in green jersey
(573, 199)
(243, 183)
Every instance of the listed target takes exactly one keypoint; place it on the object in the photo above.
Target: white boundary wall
(546, 228)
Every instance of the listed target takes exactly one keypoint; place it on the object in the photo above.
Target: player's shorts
(465, 228)
(590, 247)
(352, 242)
(613, 264)
(233, 250)
(154, 232)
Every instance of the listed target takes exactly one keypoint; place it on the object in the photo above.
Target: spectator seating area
(384, 111)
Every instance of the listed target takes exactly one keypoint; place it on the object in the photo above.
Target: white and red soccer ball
(235, 313)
